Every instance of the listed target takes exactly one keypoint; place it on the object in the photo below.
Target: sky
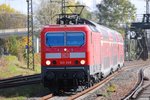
(21, 5)
(139, 4)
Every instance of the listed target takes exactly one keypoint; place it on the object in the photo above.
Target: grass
(10, 67)
(23, 92)
(111, 88)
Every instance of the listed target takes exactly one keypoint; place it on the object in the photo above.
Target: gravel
(118, 87)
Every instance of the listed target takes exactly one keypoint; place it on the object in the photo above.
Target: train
(74, 55)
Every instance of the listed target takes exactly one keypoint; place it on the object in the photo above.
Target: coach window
(114, 37)
(93, 28)
(105, 34)
(55, 39)
(75, 38)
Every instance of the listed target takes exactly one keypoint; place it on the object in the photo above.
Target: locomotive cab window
(55, 39)
(65, 39)
(74, 38)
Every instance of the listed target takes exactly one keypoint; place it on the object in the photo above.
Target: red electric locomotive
(75, 54)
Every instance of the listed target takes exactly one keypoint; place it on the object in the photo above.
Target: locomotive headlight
(48, 62)
(82, 62)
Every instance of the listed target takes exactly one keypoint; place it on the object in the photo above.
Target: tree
(4, 8)
(12, 44)
(85, 13)
(1, 46)
(10, 18)
(47, 11)
(16, 46)
(70, 3)
(113, 13)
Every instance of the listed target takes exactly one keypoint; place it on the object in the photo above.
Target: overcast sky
(21, 5)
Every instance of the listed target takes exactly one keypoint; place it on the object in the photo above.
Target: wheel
(111, 71)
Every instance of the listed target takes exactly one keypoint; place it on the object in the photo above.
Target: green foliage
(13, 45)
(4, 8)
(10, 18)
(1, 45)
(114, 13)
(111, 88)
(71, 9)
(85, 13)
(16, 46)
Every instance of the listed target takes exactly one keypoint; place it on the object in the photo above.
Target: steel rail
(137, 86)
(18, 78)
(94, 87)
(21, 80)
(78, 95)
(47, 97)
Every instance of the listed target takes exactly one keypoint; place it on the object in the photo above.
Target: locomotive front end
(64, 57)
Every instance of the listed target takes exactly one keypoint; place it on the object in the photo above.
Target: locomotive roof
(99, 27)
(89, 24)
(59, 25)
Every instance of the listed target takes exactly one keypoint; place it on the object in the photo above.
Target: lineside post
(30, 44)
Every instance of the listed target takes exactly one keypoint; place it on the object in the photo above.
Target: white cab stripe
(77, 55)
(72, 55)
(53, 55)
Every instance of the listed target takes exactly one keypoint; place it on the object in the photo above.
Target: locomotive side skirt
(67, 72)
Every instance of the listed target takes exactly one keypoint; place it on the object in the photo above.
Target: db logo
(65, 55)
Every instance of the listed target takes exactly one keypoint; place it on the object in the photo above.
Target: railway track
(137, 86)
(20, 80)
(79, 95)
(142, 90)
